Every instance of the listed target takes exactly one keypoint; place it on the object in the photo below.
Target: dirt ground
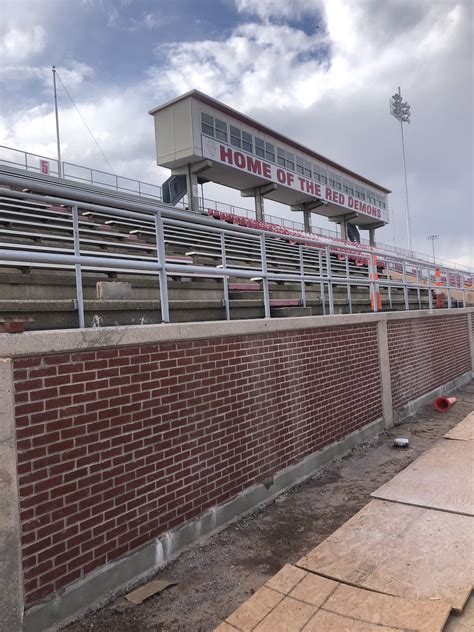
(220, 572)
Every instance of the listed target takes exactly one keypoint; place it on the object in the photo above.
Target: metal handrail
(207, 203)
(51, 194)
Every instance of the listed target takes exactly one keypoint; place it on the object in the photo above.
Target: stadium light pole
(433, 238)
(401, 111)
(60, 174)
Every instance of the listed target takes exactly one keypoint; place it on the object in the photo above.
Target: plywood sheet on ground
(401, 550)
(294, 599)
(463, 621)
(441, 478)
(464, 431)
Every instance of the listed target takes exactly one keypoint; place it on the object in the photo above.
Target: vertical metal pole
(448, 287)
(303, 287)
(430, 297)
(463, 290)
(406, 184)
(160, 249)
(405, 287)
(418, 287)
(321, 284)
(266, 291)
(77, 252)
(349, 292)
(226, 279)
(373, 285)
(330, 288)
(58, 142)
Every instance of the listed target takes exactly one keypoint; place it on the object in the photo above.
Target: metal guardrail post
(225, 279)
(330, 288)
(303, 287)
(372, 269)
(322, 291)
(418, 286)
(405, 286)
(77, 268)
(448, 287)
(463, 291)
(349, 290)
(266, 290)
(161, 252)
(430, 291)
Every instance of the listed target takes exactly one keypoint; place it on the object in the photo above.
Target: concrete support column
(259, 193)
(371, 228)
(191, 171)
(343, 225)
(11, 580)
(192, 190)
(372, 236)
(342, 221)
(259, 207)
(307, 208)
(307, 221)
(387, 405)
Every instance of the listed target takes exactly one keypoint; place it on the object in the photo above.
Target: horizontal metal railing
(334, 267)
(131, 186)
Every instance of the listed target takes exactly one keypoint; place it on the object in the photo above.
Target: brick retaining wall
(124, 434)
(117, 446)
(425, 354)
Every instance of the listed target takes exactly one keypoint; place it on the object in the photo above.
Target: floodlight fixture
(400, 110)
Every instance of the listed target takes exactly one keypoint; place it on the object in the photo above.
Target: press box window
(307, 169)
(221, 130)
(235, 136)
(281, 153)
(299, 165)
(270, 152)
(260, 147)
(290, 161)
(207, 124)
(247, 144)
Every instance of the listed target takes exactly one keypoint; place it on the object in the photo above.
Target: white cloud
(73, 74)
(258, 65)
(339, 106)
(327, 88)
(19, 44)
(266, 9)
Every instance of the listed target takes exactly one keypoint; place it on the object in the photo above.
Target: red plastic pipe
(442, 404)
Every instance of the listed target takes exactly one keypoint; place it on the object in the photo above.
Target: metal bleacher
(74, 254)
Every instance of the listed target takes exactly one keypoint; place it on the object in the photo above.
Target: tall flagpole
(60, 173)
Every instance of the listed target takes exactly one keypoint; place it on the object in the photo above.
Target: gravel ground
(220, 572)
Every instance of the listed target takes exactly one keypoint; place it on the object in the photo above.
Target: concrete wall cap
(69, 340)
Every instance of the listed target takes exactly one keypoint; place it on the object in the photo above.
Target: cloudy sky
(319, 71)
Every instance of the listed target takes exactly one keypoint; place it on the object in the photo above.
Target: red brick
(166, 433)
